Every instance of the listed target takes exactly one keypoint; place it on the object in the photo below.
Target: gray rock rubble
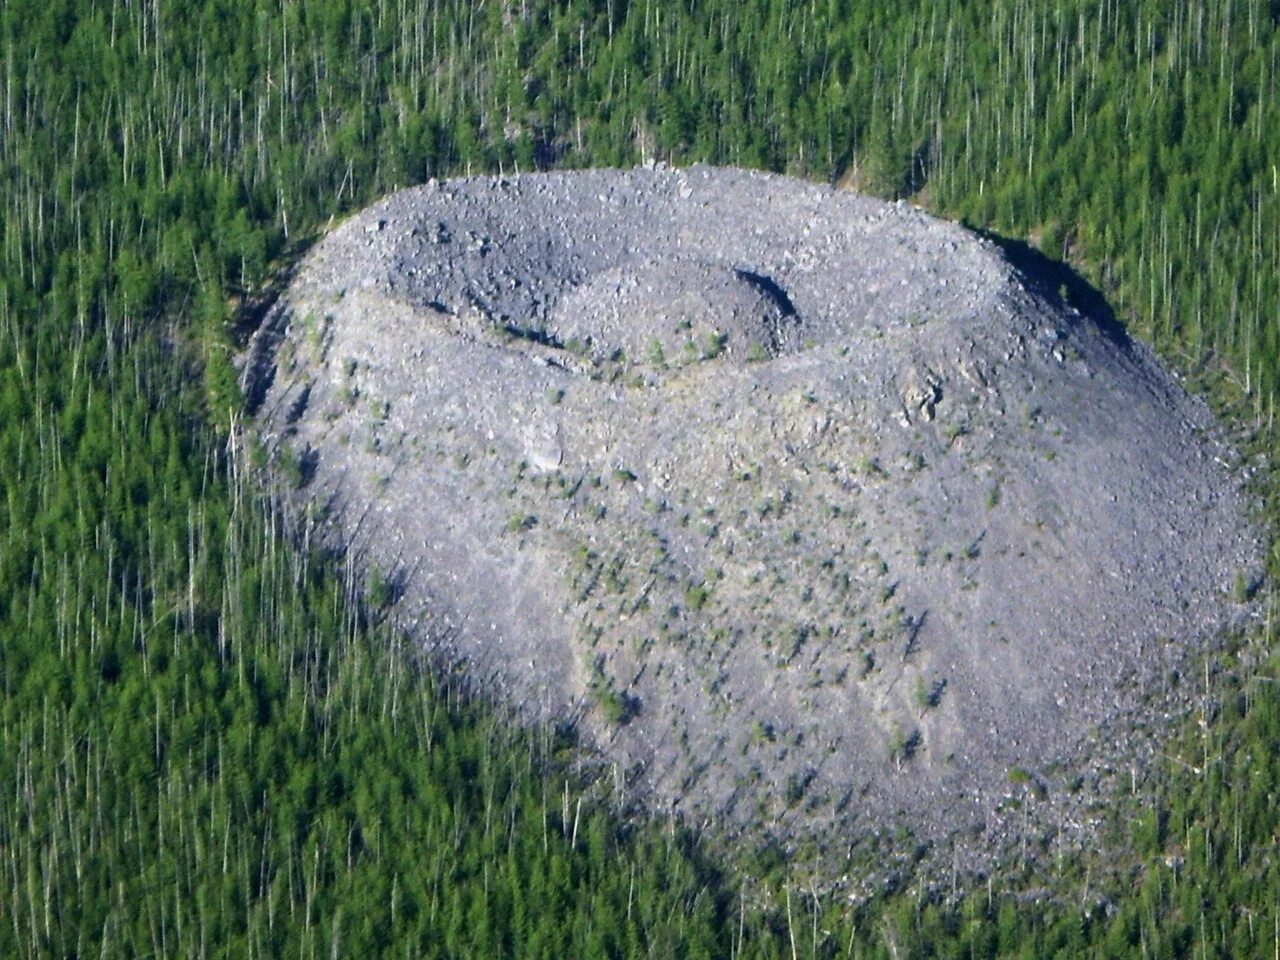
(809, 512)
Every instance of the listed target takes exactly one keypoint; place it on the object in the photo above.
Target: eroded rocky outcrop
(802, 505)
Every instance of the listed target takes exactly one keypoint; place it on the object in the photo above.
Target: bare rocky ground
(805, 508)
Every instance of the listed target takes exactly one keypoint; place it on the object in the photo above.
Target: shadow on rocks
(1059, 284)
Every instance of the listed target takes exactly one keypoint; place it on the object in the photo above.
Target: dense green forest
(208, 747)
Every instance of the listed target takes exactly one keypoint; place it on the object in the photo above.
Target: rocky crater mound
(807, 510)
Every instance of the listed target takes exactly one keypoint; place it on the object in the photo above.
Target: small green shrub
(378, 590)
(290, 465)
(993, 496)
(695, 597)
(1240, 591)
(520, 522)
(903, 744)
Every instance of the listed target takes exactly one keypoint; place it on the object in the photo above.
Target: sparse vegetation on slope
(880, 324)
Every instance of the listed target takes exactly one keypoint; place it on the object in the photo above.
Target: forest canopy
(207, 746)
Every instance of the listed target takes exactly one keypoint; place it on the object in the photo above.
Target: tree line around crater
(210, 747)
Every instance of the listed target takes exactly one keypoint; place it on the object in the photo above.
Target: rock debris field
(809, 512)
